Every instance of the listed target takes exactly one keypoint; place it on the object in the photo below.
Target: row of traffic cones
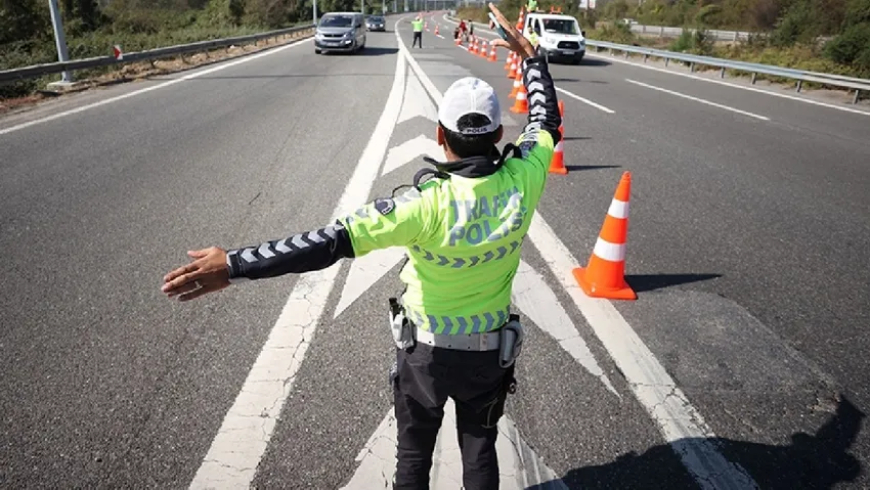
(604, 274)
(521, 106)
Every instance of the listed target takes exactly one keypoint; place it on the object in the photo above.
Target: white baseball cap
(470, 96)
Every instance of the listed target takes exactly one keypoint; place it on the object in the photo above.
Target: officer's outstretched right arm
(391, 222)
(541, 133)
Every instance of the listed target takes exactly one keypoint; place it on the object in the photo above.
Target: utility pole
(59, 40)
(315, 12)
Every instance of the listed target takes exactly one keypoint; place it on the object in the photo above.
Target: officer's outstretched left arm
(384, 223)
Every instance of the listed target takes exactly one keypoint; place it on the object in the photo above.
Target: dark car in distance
(376, 23)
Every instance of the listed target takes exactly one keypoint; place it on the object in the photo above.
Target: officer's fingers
(181, 280)
(205, 289)
(184, 288)
(501, 43)
(499, 16)
(180, 271)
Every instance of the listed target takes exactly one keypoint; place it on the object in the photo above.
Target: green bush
(695, 42)
(616, 10)
(852, 47)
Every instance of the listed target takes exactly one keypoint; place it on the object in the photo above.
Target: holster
(402, 329)
(510, 342)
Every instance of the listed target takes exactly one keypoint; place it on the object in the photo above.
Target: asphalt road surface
(742, 364)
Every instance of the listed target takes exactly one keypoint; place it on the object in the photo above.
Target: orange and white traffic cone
(472, 45)
(604, 276)
(507, 65)
(557, 164)
(515, 68)
(492, 56)
(482, 51)
(518, 83)
(521, 104)
(436, 29)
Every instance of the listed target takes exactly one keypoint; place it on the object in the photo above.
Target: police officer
(463, 228)
(417, 25)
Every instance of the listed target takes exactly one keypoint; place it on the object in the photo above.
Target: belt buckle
(483, 341)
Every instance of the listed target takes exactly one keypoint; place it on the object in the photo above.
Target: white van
(559, 35)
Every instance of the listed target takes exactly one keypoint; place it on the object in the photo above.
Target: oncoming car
(376, 23)
(340, 31)
(559, 36)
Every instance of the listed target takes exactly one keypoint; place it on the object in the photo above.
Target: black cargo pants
(425, 377)
(418, 38)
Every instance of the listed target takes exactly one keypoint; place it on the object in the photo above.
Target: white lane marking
(83, 108)
(519, 466)
(410, 151)
(709, 80)
(417, 103)
(533, 296)
(585, 101)
(365, 272)
(696, 99)
(678, 421)
(732, 85)
(424, 79)
(239, 445)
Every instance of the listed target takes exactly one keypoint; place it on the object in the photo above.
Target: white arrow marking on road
(410, 151)
(519, 466)
(238, 447)
(416, 103)
(364, 272)
(533, 296)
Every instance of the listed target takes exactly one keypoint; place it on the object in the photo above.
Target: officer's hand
(515, 41)
(206, 274)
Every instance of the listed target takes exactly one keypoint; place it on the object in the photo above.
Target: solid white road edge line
(696, 99)
(238, 447)
(83, 108)
(678, 421)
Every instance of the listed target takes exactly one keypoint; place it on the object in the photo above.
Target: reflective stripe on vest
(418, 25)
(458, 325)
(467, 261)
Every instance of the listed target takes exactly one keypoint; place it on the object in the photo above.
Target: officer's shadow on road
(817, 461)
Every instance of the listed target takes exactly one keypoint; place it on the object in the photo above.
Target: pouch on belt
(510, 342)
(403, 331)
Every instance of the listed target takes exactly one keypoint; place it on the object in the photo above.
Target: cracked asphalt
(749, 247)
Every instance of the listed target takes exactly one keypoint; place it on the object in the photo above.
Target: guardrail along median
(851, 83)
(34, 71)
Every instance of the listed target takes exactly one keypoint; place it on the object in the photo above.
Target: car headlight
(549, 40)
(348, 34)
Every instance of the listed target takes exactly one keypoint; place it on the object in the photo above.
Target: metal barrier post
(60, 40)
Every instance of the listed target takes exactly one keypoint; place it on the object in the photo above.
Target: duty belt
(485, 341)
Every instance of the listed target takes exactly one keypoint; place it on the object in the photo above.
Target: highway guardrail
(34, 71)
(852, 83)
(857, 84)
